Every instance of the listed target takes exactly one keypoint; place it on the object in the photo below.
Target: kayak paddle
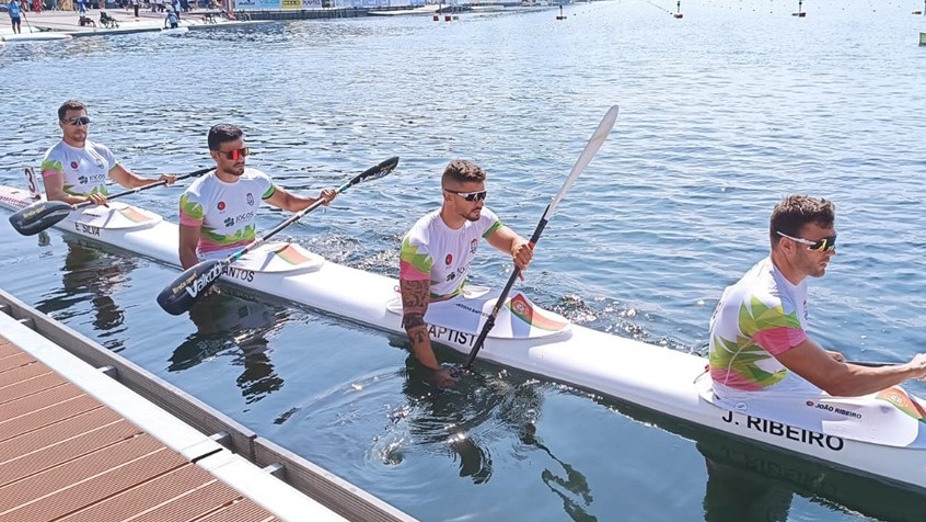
(872, 364)
(43, 214)
(594, 143)
(185, 290)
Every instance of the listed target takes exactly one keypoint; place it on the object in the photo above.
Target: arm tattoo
(419, 336)
(415, 295)
(411, 321)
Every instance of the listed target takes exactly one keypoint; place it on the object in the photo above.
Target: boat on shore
(39, 36)
(880, 435)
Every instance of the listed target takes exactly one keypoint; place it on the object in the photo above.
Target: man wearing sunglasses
(759, 347)
(76, 169)
(217, 211)
(437, 251)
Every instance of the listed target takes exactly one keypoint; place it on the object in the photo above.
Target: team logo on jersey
(229, 222)
(74, 165)
(221, 206)
(82, 180)
(473, 245)
(250, 199)
(448, 259)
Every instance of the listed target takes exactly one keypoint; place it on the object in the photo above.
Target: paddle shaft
(199, 172)
(490, 321)
(591, 148)
(44, 214)
(183, 292)
(22, 13)
(872, 364)
(287, 222)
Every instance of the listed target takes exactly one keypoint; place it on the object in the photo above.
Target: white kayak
(880, 435)
(41, 36)
(175, 31)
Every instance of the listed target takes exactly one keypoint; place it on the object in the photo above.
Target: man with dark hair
(758, 341)
(438, 249)
(76, 169)
(217, 211)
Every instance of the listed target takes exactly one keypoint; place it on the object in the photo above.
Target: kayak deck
(663, 380)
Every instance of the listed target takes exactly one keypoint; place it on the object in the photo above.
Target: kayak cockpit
(891, 417)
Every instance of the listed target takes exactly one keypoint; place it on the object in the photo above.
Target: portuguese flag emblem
(900, 400)
(524, 310)
(291, 255)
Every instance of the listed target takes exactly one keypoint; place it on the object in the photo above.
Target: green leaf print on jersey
(191, 208)
(244, 235)
(409, 254)
(69, 189)
(735, 363)
(759, 317)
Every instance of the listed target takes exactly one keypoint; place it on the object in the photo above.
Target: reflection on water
(572, 488)
(749, 482)
(735, 493)
(486, 400)
(447, 418)
(754, 482)
(90, 273)
(722, 114)
(228, 324)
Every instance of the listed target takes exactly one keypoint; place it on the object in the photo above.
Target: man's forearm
(415, 296)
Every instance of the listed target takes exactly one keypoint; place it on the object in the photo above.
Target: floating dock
(86, 435)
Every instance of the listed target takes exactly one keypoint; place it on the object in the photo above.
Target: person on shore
(217, 211)
(75, 170)
(15, 16)
(437, 251)
(171, 19)
(759, 347)
(135, 5)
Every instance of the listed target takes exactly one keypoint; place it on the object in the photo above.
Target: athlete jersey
(432, 251)
(83, 170)
(225, 211)
(760, 316)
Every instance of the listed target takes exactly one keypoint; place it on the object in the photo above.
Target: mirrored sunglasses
(82, 120)
(235, 155)
(822, 245)
(471, 196)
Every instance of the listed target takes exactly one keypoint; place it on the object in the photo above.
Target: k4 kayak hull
(841, 432)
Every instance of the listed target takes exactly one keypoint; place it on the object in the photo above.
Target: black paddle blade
(39, 216)
(189, 286)
(376, 172)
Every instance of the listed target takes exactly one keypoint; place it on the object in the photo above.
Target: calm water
(723, 113)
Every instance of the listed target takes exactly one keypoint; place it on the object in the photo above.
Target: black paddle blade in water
(183, 292)
(39, 216)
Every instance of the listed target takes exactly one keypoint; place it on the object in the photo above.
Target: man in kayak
(758, 341)
(217, 211)
(76, 169)
(438, 249)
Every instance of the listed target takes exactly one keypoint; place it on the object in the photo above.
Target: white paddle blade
(591, 148)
